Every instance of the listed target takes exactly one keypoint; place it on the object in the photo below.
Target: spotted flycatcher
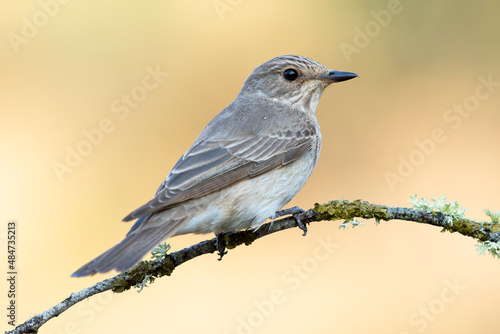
(248, 162)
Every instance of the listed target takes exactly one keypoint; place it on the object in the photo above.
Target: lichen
(453, 211)
(137, 275)
(494, 215)
(353, 223)
(335, 210)
(488, 246)
(235, 239)
(160, 251)
(148, 279)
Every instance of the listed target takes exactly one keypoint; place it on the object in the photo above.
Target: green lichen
(160, 251)
(494, 215)
(453, 211)
(148, 279)
(336, 210)
(233, 240)
(489, 246)
(353, 223)
(138, 274)
(468, 227)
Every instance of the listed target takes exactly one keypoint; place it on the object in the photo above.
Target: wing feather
(210, 166)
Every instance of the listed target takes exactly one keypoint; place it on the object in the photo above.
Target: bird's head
(292, 80)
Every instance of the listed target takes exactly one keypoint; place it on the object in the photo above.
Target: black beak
(338, 76)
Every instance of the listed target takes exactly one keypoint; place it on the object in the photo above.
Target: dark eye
(290, 74)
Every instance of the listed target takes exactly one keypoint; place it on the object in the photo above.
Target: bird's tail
(130, 250)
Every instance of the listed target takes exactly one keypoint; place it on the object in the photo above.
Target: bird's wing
(210, 166)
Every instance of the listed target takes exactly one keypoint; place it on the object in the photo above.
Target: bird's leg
(295, 212)
(221, 245)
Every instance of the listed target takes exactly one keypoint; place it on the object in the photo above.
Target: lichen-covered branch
(146, 271)
(482, 231)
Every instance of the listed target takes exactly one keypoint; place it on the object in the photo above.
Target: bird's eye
(290, 74)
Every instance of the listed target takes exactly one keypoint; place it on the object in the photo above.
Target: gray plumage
(248, 162)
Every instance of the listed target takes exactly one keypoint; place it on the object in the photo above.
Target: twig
(333, 210)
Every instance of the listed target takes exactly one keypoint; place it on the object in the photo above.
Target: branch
(147, 271)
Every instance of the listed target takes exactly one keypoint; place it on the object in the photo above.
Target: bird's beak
(338, 76)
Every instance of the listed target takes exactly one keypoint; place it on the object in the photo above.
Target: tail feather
(130, 250)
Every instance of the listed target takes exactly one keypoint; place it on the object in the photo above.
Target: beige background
(394, 278)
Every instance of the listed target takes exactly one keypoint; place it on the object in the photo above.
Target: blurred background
(98, 100)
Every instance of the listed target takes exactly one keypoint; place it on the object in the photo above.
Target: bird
(247, 163)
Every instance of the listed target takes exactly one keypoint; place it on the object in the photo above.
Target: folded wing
(210, 166)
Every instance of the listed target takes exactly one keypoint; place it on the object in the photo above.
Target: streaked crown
(290, 79)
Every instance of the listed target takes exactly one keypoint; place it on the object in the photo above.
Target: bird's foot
(221, 245)
(295, 212)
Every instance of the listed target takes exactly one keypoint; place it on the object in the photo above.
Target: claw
(295, 212)
(302, 226)
(221, 245)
